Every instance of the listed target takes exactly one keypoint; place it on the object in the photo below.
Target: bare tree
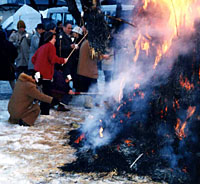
(73, 9)
(52, 3)
(33, 5)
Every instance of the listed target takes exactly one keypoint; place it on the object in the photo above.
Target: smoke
(153, 26)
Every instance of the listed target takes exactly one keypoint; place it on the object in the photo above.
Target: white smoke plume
(153, 25)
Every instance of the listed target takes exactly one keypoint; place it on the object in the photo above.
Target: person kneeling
(22, 107)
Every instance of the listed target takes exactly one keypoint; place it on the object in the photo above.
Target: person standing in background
(21, 40)
(77, 35)
(8, 53)
(87, 71)
(34, 46)
(64, 46)
(107, 66)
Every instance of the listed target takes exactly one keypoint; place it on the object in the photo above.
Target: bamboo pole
(77, 44)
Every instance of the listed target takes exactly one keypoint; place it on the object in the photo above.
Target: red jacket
(44, 60)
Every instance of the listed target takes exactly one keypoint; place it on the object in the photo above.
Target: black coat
(63, 49)
(8, 54)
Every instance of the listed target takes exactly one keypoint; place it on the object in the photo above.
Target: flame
(141, 94)
(169, 19)
(129, 142)
(101, 132)
(190, 111)
(180, 129)
(136, 86)
(114, 116)
(82, 136)
(176, 104)
(199, 73)
(128, 114)
(186, 84)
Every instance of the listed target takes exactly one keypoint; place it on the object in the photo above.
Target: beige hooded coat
(21, 104)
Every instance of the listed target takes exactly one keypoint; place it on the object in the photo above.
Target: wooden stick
(120, 20)
(136, 160)
(77, 44)
(87, 93)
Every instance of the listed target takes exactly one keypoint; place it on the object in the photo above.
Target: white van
(60, 14)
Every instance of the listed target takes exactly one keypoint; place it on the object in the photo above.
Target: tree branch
(33, 5)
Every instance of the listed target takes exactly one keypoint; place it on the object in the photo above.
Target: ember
(151, 125)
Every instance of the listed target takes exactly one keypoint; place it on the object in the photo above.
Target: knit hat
(21, 24)
(48, 36)
(78, 30)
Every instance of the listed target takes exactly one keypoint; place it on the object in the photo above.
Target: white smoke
(127, 73)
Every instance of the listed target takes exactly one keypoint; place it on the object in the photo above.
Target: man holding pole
(64, 46)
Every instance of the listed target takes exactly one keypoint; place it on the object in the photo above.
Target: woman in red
(44, 60)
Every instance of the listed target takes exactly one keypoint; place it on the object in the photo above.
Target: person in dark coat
(64, 46)
(21, 107)
(8, 54)
(77, 34)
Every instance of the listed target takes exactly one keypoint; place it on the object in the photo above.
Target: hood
(26, 78)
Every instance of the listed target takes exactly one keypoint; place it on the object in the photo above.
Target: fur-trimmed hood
(24, 77)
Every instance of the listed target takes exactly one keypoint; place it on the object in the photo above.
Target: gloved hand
(76, 46)
(54, 101)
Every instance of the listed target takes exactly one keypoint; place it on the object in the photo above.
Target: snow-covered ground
(32, 155)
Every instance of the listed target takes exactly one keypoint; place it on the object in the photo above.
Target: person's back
(8, 53)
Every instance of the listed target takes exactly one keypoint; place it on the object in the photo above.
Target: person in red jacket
(44, 60)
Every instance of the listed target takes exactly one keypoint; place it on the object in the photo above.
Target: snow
(32, 155)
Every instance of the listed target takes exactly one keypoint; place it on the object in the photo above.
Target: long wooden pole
(77, 44)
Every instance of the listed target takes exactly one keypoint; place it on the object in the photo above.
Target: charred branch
(73, 9)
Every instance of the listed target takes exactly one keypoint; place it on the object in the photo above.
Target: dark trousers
(107, 75)
(84, 83)
(21, 69)
(46, 89)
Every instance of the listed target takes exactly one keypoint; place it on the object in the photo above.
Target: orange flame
(190, 111)
(82, 136)
(176, 103)
(129, 142)
(199, 73)
(114, 116)
(186, 84)
(169, 19)
(136, 86)
(180, 129)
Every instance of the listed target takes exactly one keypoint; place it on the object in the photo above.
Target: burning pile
(150, 125)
